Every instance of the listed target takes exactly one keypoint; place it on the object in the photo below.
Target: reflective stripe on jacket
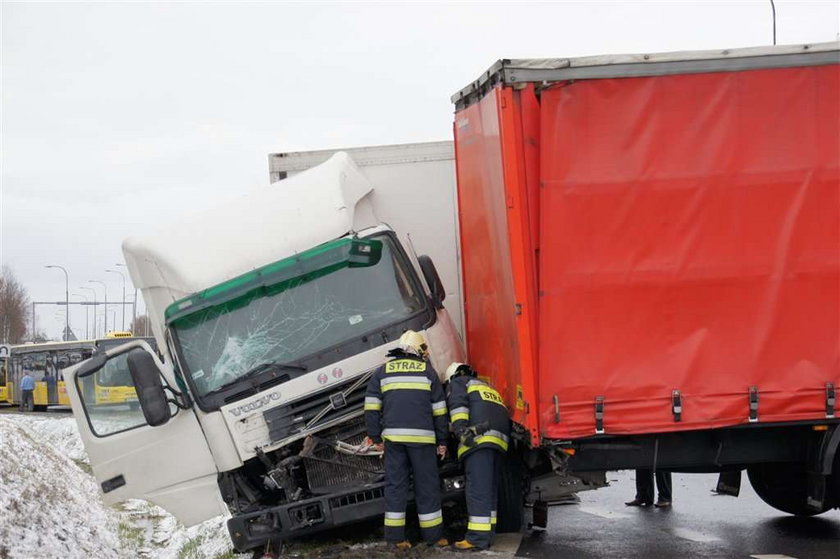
(405, 403)
(474, 402)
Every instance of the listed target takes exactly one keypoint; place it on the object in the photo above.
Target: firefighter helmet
(455, 369)
(412, 342)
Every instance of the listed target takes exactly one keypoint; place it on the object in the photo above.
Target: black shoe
(638, 503)
(660, 504)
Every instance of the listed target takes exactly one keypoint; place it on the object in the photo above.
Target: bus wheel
(784, 486)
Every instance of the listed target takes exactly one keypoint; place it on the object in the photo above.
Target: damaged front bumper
(308, 516)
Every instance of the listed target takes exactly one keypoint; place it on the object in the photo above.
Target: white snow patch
(48, 506)
(61, 433)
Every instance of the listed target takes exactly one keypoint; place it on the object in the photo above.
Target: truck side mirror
(430, 273)
(146, 377)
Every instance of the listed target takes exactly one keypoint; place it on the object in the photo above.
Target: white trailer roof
(283, 164)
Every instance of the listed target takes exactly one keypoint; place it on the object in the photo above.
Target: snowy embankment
(50, 504)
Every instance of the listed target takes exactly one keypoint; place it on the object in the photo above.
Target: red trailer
(651, 261)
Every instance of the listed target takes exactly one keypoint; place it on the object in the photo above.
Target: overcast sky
(119, 117)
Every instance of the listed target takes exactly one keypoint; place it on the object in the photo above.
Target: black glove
(468, 437)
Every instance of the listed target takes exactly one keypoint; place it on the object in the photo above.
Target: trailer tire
(834, 482)
(511, 495)
(784, 486)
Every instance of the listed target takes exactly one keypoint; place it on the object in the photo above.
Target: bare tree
(141, 326)
(13, 304)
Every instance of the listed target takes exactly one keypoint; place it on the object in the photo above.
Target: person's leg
(494, 492)
(427, 491)
(663, 486)
(644, 488)
(396, 491)
(28, 400)
(479, 470)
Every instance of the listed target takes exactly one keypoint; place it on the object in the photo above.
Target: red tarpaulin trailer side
(688, 239)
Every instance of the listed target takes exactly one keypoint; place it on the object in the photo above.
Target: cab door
(169, 465)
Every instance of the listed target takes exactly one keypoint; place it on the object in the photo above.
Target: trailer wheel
(834, 482)
(784, 486)
(511, 496)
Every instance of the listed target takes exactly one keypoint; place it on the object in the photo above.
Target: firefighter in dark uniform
(405, 407)
(480, 421)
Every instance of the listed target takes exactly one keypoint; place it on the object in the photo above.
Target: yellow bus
(113, 384)
(4, 392)
(45, 362)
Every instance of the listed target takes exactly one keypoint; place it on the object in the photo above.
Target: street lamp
(134, 304)
(123, 298)
(87, 315)
(66, 335)
(92, 290)
(105, 289)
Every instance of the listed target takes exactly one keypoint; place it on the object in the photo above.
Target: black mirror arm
(180, 400)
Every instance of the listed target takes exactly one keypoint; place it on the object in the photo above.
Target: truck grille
(338, 400)
(328, 470)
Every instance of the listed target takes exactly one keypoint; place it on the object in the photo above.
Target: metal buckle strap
(676, 405)
(753, 404)
(599, 415)
(830, 400)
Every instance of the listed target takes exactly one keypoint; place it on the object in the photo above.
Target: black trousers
(400, 461)
(483, 468)
(644, 485)
(27, 400)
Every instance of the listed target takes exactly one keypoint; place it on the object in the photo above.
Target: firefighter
(405, 408)
(480, 421)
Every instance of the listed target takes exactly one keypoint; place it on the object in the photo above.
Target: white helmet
(454, 369)
(412, 342)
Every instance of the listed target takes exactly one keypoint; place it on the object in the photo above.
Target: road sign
(5, 350)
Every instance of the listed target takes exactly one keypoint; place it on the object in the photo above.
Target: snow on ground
(50, 505)
(46, 509)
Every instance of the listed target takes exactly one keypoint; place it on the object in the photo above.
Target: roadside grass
(191, 549)
(131, 536)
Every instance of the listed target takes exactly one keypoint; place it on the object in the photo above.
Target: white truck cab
(272, 311)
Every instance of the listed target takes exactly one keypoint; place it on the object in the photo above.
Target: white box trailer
(414, 190)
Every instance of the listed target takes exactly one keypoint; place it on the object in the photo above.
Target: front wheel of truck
(784, 486)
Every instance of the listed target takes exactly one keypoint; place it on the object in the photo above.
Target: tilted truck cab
(272, 310)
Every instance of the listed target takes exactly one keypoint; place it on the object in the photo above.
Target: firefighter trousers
(401, 460)
(483, 468)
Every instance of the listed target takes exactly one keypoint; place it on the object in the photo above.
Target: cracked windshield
(297, 318)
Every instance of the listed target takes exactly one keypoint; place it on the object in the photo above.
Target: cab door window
(110, 399)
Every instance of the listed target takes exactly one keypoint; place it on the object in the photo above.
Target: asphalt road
(700, 524)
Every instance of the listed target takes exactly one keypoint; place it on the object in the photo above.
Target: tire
(834, 482)
(511, 497)
(784, 486)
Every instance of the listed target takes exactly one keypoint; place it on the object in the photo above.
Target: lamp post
(92, 290)
(66, 300)
(134, 304)
(87, 315)
(105, 289)
(123, 298)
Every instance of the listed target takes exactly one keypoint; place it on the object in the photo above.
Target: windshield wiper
(256, 370)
